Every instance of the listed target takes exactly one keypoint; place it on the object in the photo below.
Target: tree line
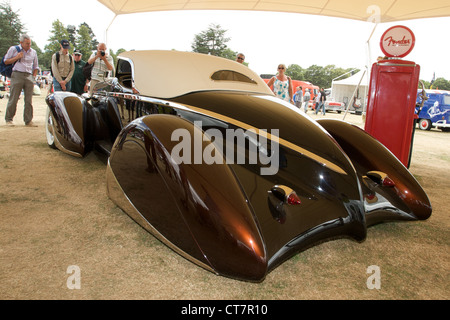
(211, 41)
(214, 41)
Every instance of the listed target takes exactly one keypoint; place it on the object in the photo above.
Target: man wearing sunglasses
(240, 58)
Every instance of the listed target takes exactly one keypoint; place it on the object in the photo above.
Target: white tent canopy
(353, 80)
(363, 10)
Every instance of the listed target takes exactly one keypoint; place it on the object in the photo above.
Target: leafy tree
(10, 27)
(320, 76)
(84, 41)
(441, 84)
(295, 72)
(315, 75)
(94, 42)
(211, 41)
(58, 33)
(72, 34)
(81, 38)
(229, 54)
(114, 55)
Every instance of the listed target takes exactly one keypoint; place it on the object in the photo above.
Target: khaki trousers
(92, 85)
(20, 81)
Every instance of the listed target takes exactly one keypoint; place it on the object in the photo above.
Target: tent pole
(368, 43)
(107, 29)
(368, 63)
(369, 59)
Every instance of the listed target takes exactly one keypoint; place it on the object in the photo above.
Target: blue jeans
(321, 105)
(57, 86)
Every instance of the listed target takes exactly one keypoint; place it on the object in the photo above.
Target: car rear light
(285, 194)
(388, 182)
(280, 198)
(380, 178)
(293, 199)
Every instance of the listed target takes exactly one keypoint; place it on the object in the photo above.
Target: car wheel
(424, 124)
(49, 130)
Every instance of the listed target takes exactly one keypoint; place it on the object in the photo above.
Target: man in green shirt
(79, 82)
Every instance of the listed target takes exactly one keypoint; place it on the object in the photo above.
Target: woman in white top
(282, 85)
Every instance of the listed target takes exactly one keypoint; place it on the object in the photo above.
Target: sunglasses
(240, 58)
(280, 67)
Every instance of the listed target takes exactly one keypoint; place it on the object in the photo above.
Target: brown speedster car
(203, 156)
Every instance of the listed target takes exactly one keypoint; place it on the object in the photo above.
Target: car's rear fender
(390, 191)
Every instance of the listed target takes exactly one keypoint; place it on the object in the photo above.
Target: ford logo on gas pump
(397, 41)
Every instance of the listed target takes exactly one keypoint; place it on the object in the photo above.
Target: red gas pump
(390, 116)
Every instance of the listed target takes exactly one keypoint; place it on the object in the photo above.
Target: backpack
(57, 61)
(87, 70)
(6, 69)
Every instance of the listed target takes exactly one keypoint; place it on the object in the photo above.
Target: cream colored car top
(168, 74)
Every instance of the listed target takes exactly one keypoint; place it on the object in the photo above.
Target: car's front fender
(194, 208)
(68, 125)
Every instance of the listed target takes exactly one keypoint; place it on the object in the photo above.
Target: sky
(266, 38)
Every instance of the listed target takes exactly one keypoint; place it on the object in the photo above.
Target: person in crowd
(282, 85)
(79, 81)
(306, 99)
(322, 99)
(299, 97)
(63, 67)
(24, 72)
(240, 58)
(316, 102)
(103, 65)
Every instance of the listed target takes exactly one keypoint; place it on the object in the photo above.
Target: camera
(102, 53)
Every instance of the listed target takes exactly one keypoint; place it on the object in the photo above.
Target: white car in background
(331, 105)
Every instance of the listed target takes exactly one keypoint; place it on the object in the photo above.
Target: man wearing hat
(79, 81)
(63, 67)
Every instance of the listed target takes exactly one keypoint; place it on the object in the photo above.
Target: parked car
(334, 106)
(203, 156)
(433, 109)
(331, 105)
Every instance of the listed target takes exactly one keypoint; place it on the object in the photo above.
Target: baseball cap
(77, 52)
(65, 44)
